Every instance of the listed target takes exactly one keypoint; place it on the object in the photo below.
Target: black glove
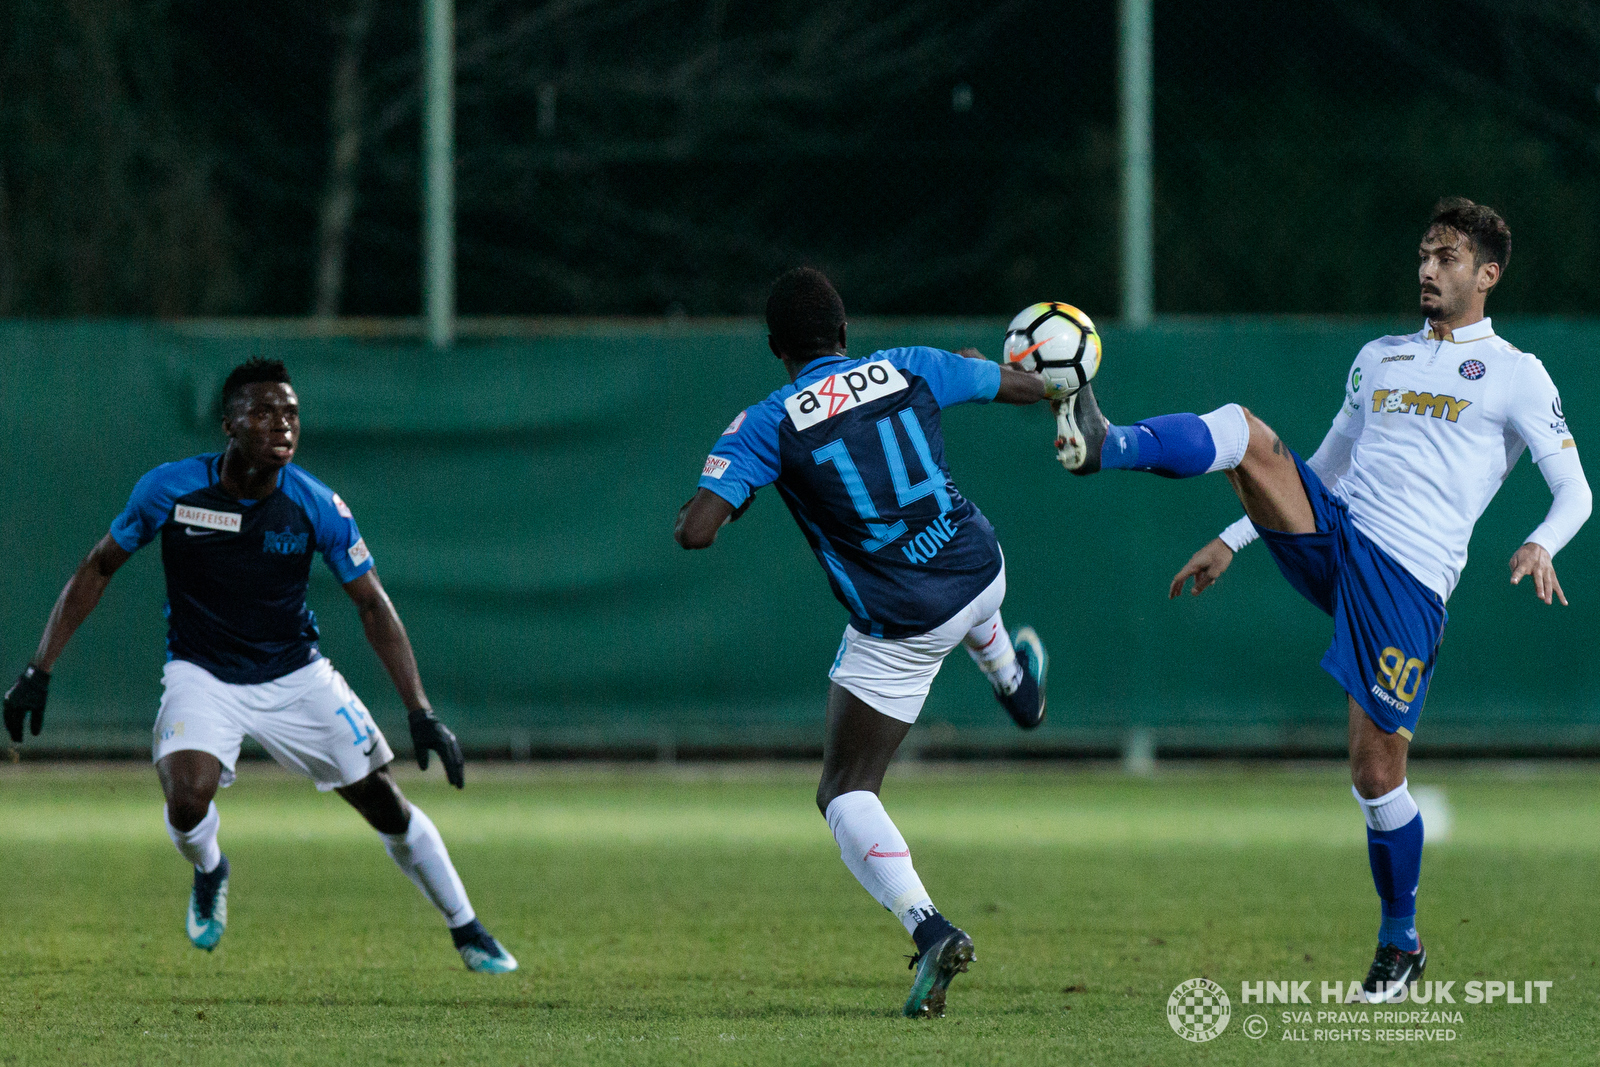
(28, 695)
(427, 733)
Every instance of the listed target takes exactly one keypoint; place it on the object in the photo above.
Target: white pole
(438, 171)
(1137, 277)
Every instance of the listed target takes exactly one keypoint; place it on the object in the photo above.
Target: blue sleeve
(337, 537)
(151, 502)
(954, 379)
(746, 455)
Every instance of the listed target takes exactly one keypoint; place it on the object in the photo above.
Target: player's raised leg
(1016, 666)
(1394, 849)
(189, 780)
(857, 748)
(416, 847)
(1260, 467)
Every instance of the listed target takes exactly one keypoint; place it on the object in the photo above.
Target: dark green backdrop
(518, 496)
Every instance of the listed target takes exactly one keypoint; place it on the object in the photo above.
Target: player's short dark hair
(804, 313)
(1478, 223)
(255, 369)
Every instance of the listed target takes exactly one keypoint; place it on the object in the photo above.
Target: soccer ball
(1055, 340)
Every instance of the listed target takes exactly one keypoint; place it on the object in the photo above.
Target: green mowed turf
(703, 916)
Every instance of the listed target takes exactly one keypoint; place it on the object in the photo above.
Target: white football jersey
(1437, 425)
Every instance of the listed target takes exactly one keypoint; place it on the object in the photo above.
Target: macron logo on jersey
(227, 521)
(841, 392)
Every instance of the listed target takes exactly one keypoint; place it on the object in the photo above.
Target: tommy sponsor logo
(841, 392)
(1395, 401)
(358, 552)
(226, 521)
(934, 536)
(733, 427)
(284, 542)
(715, 467)
(873, 851)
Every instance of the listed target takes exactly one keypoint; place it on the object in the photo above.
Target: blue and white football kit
(854, 448)
(241, 642)
(1430, 427)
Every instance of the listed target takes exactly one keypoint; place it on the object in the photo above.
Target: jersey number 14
(906, 494)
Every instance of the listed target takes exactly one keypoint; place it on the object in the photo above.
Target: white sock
(878, 856)
(1389, 812)
(421, 854)
(199, 845)
(1230, 433)
(990, 648)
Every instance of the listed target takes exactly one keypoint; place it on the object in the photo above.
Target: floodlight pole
(1135, 79)
(438, 171)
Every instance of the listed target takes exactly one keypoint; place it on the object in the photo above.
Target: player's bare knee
(1264, 443)
(837, 783)
(186, 809)
(1374, 778)
(379, 800)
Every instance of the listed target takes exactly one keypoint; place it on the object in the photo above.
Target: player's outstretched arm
(387, 636)
(705, 514)
(1019, 387)
(1205, 567)
(26, 699)
(1570, 507)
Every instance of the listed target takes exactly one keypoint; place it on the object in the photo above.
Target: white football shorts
(893, 674)
(309, 720)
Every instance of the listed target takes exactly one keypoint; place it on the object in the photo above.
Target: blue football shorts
(1387, 626)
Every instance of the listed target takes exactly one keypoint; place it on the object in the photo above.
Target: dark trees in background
(107, 202)
(651, 156)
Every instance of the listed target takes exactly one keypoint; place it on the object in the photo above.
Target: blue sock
(1396, 857)
(1173, 446)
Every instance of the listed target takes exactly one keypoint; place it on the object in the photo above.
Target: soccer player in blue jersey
(855, 451)
(238, 530)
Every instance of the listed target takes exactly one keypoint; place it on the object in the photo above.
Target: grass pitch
(703, 916)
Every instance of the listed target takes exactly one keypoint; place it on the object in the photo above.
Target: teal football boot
(934, 970)
(481, 952)
(208, 907)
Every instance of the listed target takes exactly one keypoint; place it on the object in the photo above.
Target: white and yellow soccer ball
(1055, 340)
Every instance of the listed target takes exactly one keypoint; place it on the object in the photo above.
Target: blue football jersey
(856, 452)
(237, 570)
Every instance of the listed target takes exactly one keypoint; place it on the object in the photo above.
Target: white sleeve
(1534, 410)
(1353, 411)
(1332, 457)
(1330, 461)
(1572, 503)
(1239, 534)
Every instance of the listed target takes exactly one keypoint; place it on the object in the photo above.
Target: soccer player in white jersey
(238, 530)
(1373, 528)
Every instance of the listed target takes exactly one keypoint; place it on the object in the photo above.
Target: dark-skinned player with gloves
(238, 530)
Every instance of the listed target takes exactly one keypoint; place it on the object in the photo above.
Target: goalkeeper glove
(428, 733)
(27, 696)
